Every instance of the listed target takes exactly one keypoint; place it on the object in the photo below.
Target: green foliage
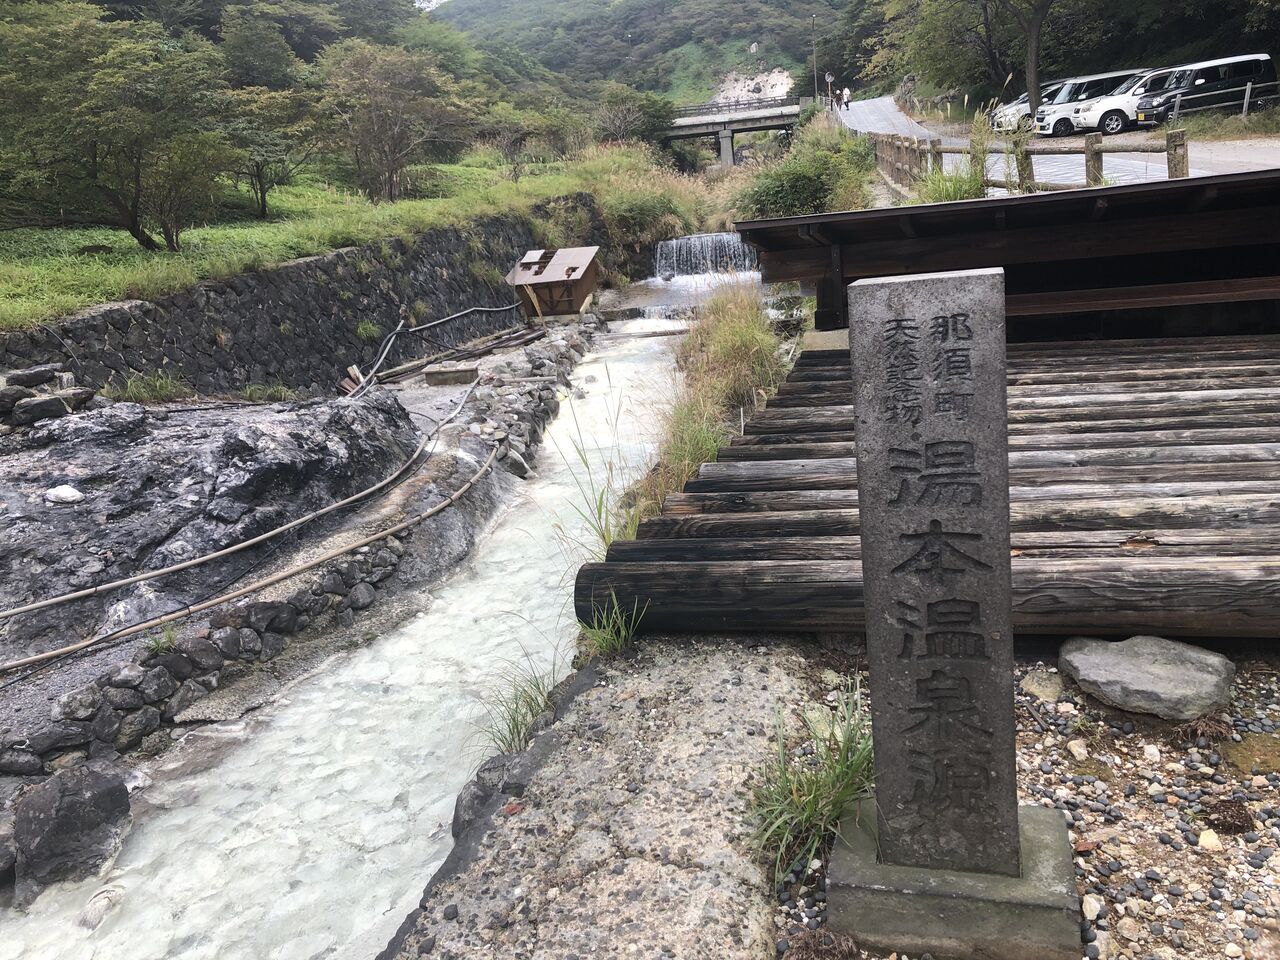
(257, 53)
(157, 387)
(610, 632)
(163, 644)
(518, 697)
(368, 331)
(800, 800)
(825, 170)
(268, 393)
(391, 108)
(626, 114)
(1209, 125)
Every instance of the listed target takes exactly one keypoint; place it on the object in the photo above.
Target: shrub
(610, 632)
(368, 331)
(518, 697)
(826, 169)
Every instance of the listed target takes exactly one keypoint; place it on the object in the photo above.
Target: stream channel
(309, 829)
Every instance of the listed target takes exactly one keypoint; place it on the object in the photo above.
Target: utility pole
(814, 38)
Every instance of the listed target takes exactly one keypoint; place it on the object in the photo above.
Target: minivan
(1211, 84)
(1115, 112)
(1061, 116)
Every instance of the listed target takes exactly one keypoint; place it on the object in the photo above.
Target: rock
(1172, 680)
(276, 617)
(227, 640)
(76, 397)
(516, 464)
(468, 807)
(362, 596)
(1092, 906)
(187, 694)
(64, 494)
(35, 409)
(8, 850)
(12, 394)
(1078, 749)
(33, 376)
(250, 643)
(59, 735)
(20, 763)
(123, 698)
(69, 826)
(1209, 842)
(1150, 753)
(272, 645)
(136, 726)
(203, 653)
(1129, 929)
(1232, 950)
(80, 704)
(157, 684)
(175, 663)
(1042, 684)
(106, 725)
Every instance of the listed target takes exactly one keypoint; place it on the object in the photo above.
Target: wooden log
(1183, 596)
(772, 501)
(840, 473)
(1103, 513)
(1028, 545)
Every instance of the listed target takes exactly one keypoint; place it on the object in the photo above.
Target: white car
(1061, 116)
(1117, 111)
(1010, 117)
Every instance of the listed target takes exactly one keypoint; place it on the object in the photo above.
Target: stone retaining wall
(302, 323)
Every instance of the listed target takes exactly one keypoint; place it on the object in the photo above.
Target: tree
(275, 132)
(627, 114)
(1030, 16)
(256, 52)
(97, 117)
(509, 131)
(956, 42)
(182, 182)
(391, 106)
(374, 19)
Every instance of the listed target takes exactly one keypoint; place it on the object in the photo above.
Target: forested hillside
(681, 47)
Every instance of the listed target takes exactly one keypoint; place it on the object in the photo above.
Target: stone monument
(944, 861)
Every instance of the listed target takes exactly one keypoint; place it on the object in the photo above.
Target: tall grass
(517, 697)
(149, 388)
(1210, 125)
(969, 180)
(800, 799)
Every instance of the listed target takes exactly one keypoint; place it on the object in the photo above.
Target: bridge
(738, 116)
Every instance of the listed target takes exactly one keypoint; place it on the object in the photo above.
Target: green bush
(825, 170)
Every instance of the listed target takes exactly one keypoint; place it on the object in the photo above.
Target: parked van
(1062, 115)
(1212, 85)
(1117, 111)
(1009, 117)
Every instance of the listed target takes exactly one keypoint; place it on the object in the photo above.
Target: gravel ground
(634, 836)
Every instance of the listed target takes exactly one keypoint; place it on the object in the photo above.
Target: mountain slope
(679, 47)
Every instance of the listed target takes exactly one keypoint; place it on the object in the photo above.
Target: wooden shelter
(1144, 467)
(1168, 243)
(554, 282)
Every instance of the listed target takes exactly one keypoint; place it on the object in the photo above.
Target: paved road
(881, 115)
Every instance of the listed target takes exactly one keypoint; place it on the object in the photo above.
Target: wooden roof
(551, 266)
(1199, 239)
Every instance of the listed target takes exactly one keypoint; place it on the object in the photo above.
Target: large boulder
(69, 826)
(1172, 680)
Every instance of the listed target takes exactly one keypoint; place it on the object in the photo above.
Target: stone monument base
(953, 915)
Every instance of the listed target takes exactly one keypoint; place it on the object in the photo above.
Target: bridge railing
(735, 106)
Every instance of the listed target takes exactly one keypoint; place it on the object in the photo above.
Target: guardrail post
(1026, 168)
(1176, 151)
(935, 155)
(1177, 108)
(1093, 159)
(1248, 91)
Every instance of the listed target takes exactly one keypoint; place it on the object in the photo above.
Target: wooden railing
(905, 161)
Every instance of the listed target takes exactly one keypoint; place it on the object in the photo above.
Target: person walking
(847, 97)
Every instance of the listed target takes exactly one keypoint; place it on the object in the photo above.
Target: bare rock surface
(633, 835)
(1172, 680)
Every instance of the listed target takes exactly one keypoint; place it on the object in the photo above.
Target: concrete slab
(826, 339)
(953, 915)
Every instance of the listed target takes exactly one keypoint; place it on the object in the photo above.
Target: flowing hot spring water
(703, 253)
(309, 830)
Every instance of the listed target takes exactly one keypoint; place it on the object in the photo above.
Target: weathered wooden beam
(1196, 596)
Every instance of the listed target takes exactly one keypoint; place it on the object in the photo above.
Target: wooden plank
(834, 393)
(1184, 596)
(1137, 298)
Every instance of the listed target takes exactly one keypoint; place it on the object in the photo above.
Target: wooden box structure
(553, 282)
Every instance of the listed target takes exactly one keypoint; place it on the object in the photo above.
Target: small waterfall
(703, 253)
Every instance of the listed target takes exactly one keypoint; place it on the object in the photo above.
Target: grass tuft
(1209, 125)
(611, 631)
(163, 644)
(149, 388)
(520, 694)
(368, 331)
(800, 799)
(269, 393)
